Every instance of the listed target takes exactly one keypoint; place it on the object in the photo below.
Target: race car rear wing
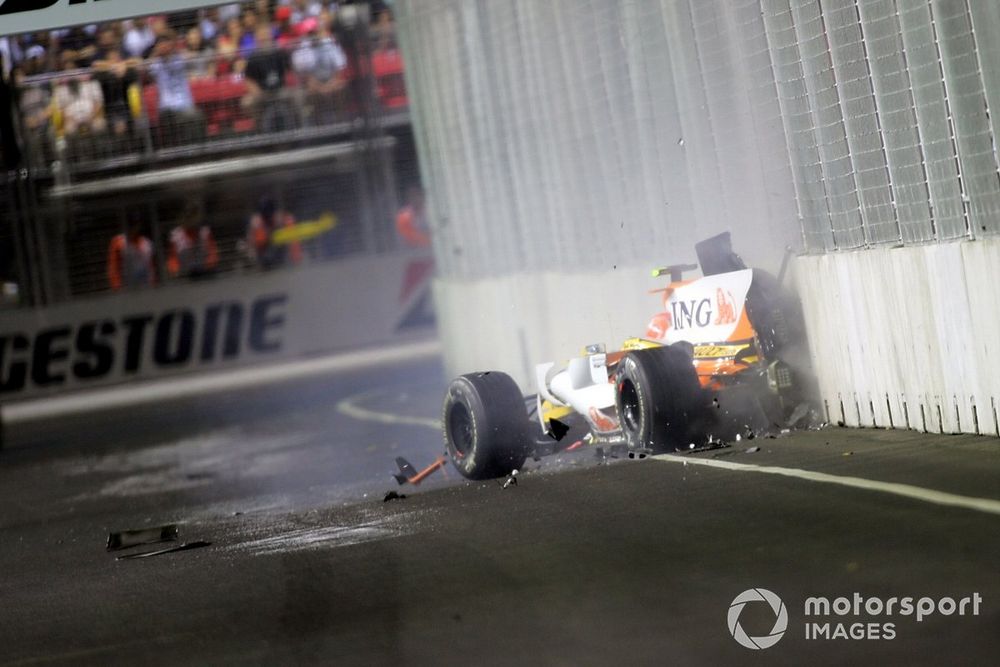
(716, 255)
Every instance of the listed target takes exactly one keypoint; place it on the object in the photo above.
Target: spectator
(37, 49)
(35, 104)
(261, 248)
(161, 28)
(228, 48)
(304, 9)
(248, 42)
(383, 30)
(130, 257)
(199, 56)
(35, 101)
(411, 222)
(208, 24)
(107, 40)
(81, 107)
(265, 75)
(193, 253)
(176, 103)
(139, 38)
(319, 63)
(115, 77)
(284, 31)
(263, 7)
(80, 45)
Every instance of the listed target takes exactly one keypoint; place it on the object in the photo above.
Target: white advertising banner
(224, 323)
(17, 16)
(707, 310)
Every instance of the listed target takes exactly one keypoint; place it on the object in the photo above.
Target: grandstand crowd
(266, 66)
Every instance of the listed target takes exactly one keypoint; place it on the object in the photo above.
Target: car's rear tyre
(485, 425)
(661, 405)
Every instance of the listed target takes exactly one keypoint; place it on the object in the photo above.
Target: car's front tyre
(485, 425)
(661, 405)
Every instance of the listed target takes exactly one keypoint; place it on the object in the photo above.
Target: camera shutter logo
(780, 622)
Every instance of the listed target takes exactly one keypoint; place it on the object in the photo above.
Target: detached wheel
(660, 402)
(485, 425)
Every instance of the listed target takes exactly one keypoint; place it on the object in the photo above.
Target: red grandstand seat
(219, 99)
(244, 125)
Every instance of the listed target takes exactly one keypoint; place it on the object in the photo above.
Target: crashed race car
(726, 356)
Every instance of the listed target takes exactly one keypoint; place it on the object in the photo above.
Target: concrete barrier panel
(906, 337)
(514, 322)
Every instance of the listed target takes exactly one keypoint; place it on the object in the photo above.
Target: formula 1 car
(726, 355)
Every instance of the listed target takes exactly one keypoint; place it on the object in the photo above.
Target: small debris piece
(840, 424)
(407, 473)
(575, 446)
(511, 480)
(131, 538)
(752, 450)
(738, 438)
(848, 454)
(557, 429)
(392, 495)
(180, 547)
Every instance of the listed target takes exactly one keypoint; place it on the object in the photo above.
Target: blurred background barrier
(214, 325)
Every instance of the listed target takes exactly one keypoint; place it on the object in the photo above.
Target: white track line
(348, 407)
(162, 390)
(987, 505)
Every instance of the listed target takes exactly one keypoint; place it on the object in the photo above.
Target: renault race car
(726, 355)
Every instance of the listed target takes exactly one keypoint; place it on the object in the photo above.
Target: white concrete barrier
(907, 337)
(514, 322)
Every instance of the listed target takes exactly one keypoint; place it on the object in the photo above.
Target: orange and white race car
(726, 355)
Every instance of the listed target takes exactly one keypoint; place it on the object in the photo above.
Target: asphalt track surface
(583, 562)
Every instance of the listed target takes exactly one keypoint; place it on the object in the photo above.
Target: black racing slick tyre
(485, 425)
(661, 405)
